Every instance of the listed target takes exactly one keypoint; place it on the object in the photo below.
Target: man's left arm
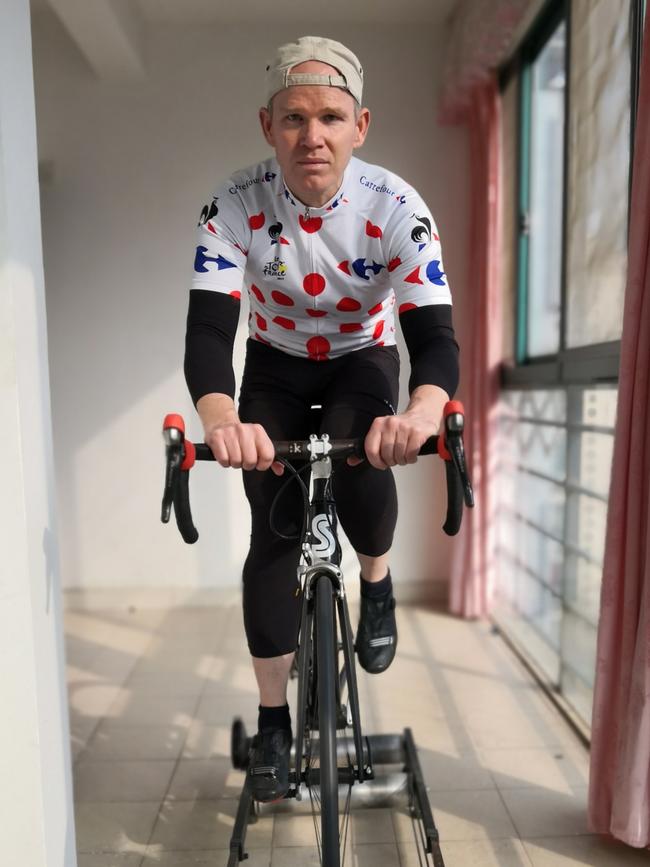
(433, 353)
(423, 302)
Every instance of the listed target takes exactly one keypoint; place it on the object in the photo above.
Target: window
(541, 188)
(568, 112)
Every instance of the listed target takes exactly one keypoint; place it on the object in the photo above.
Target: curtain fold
(619, 786)
(472, 560)
(482, 35)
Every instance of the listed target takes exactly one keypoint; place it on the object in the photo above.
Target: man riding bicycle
(326, 246)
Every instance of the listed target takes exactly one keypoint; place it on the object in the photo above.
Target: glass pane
(586, 522)
(538, 404)
(543, 449)
(594, 406)
(590, 460)
(578, 662)
(582, 587)
(508, 156)
(540, 502)
(599, 147)
(551, 527)
(546, 189)
(578, 694)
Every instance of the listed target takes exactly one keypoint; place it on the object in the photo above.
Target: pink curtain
(482, 34)
(619, 787)
(471, 582)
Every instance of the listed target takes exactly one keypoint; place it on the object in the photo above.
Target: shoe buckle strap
(383, 641)
(265, 770)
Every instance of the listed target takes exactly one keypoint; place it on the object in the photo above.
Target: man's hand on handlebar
(235, 443)
(396, 439)
(242, 445)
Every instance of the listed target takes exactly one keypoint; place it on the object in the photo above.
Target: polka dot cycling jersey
(322, 282)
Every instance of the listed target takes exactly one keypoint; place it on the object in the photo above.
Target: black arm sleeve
(433, 351)
(211, 325)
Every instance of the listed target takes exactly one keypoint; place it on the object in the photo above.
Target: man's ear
(362, 124)
(265, 123)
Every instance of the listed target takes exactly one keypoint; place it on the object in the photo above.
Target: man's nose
(312, 135)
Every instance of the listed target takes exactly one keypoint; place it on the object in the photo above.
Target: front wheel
(327, 714)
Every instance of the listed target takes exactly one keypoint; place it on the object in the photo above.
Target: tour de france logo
(275, 268)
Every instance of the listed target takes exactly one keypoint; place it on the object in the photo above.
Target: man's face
(313, 130)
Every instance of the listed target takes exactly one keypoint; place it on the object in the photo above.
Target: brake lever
(454, 426)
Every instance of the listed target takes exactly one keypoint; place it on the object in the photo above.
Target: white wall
(37, 825)
(126, 170)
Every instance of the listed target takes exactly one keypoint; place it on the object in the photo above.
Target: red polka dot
(281, 298)
(414, 276)
(344, 266)
(311, 224)
(258, 294)
(256, 221)
(261, 322)
(348, 304)
(283, 322)
(261, 339)
(235, 294)
(316, 314)
(404, 307)
(394, 263)
(372, 230)
(375, 309)
(313, 284)
(381, 343)
(318, 347)
(349, 327)
(379, 328)
(211, 228)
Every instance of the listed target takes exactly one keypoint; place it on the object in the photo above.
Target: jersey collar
(339, 197)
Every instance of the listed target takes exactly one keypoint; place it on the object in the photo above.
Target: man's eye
(293, 118)
(331, 117)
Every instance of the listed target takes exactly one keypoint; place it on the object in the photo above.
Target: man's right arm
(212, 319)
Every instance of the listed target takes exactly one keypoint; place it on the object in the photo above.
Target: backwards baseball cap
(279, 75)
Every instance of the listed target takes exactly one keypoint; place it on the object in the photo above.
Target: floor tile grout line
(177, 761)
(121, 685)
(514, 825)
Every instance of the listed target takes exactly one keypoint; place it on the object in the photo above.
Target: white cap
(279, 75)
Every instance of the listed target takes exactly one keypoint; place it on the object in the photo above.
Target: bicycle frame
(322, 556)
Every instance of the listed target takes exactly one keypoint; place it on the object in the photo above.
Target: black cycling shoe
(268, 765)
(377, 633)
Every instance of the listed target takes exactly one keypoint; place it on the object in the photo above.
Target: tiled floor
(153, 693)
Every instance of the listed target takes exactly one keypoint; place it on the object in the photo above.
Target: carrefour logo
(381, 188)
(241, 188)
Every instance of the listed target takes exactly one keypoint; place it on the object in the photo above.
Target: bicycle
(327, 701)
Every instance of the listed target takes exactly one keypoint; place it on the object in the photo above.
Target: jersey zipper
(311, 264)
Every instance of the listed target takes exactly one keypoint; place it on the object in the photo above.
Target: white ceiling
(110, 34)
(261, 11)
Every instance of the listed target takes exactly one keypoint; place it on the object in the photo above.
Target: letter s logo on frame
(325, 545)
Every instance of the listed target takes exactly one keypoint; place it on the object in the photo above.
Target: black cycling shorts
(278, 392)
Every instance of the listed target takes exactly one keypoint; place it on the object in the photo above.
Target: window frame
(584, 365)
(570, 369)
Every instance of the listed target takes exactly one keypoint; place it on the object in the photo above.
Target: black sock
(373, 589)
(274, 718)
